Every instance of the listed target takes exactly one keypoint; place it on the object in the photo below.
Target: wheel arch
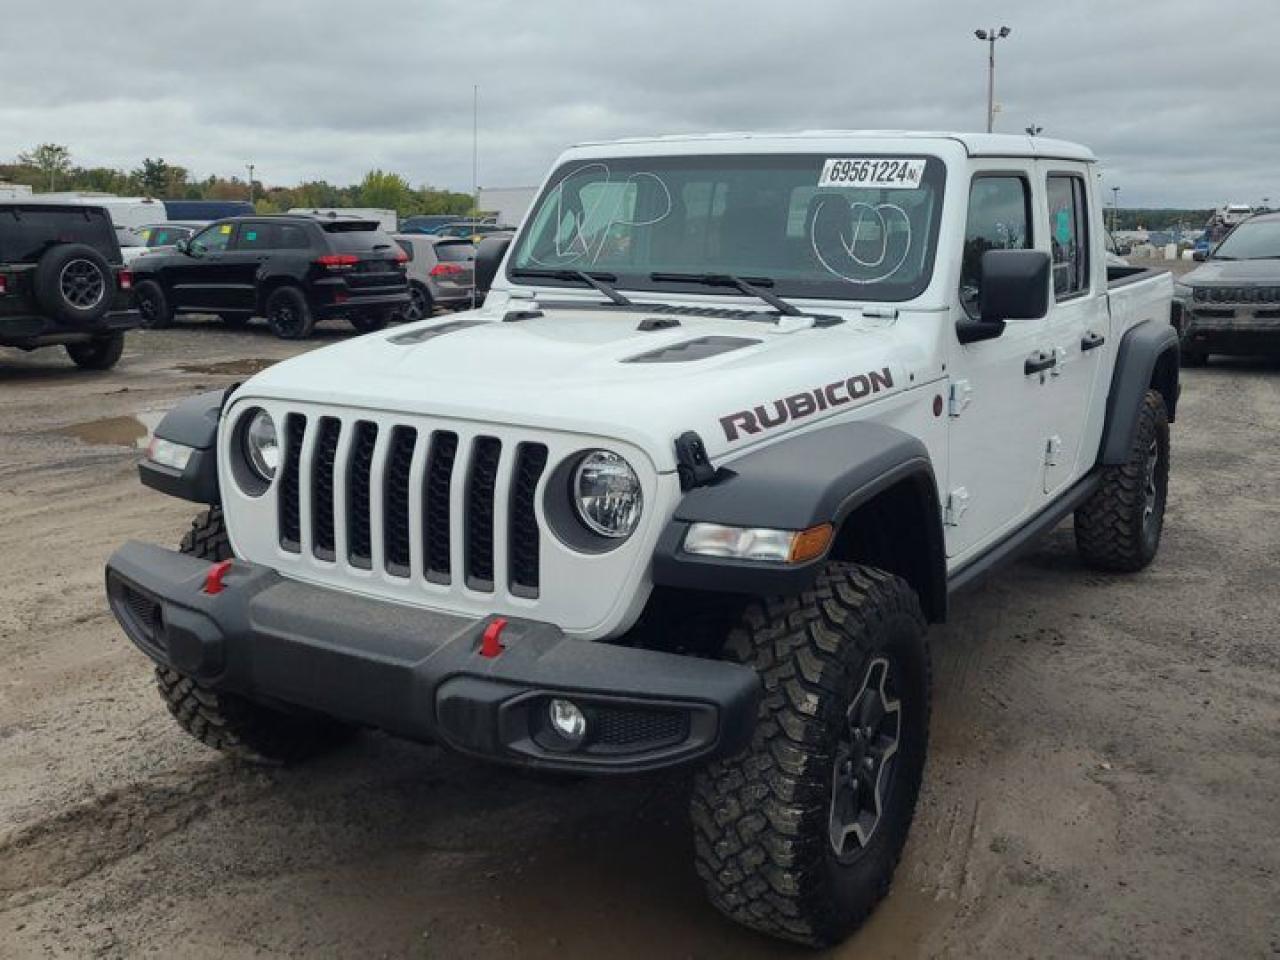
(873, 482)
(1147, 359)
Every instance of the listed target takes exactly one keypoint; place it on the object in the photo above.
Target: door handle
(1091, 341)
(1039, 362)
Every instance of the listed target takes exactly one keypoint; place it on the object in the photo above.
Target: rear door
(1078, 321)
(256, 242)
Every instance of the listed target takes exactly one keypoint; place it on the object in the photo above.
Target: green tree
(52, 160)
(388, 191)
(157, 178)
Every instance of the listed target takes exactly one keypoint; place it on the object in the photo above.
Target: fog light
(567, 720)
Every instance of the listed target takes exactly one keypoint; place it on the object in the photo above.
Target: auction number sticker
(889, 173)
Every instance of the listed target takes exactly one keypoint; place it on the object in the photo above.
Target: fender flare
(1140, 352)
(192, 423)
(816, 477)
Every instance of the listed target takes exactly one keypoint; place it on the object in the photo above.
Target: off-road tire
(1112, 529)
(370, 321)
(761, 819)
(238, 727)
(101, 353)
(66, 271)
(289, 314)
(153, 306)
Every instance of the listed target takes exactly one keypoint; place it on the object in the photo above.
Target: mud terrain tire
(238, 727)
(1118, 528)
(765, 824)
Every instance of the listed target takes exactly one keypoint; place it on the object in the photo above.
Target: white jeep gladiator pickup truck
(738, 416)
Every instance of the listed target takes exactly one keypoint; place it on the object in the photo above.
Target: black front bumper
(420, 674)
(1231, 330)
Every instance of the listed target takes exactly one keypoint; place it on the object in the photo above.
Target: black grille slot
(617, 727)
(289, 503)
(531, 459)
(359, 537)
(435, 509)
(326, 451)
(144, 610)
(395, 501)
(481, 482)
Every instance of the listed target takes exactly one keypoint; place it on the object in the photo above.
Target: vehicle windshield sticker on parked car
(891, 173)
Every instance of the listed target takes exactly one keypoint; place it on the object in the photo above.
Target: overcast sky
(1179, 99)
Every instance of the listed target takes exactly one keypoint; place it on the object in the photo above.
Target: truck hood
(597, 372)
(1242, 272)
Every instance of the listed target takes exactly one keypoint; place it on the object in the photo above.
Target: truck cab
(736, 418)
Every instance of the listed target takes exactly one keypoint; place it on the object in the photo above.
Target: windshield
(1255, 240)
(847, 227)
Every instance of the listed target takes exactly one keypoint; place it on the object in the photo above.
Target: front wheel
(99, 354)
(238, 727)
(799, 835)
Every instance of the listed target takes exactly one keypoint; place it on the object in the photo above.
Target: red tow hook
(491, 640)
(213, 579)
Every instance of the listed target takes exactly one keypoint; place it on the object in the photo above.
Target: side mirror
(1015, 286)
(489, 254)
(183, 246)
(1200, 256)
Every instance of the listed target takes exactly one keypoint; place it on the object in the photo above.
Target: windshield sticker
(887, 173)
(225, 228)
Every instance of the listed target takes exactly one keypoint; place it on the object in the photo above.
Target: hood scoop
(429, 333)
(700, 349)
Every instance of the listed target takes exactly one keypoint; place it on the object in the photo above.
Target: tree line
(49, 167)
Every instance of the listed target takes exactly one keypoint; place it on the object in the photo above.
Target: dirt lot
(1103, 781)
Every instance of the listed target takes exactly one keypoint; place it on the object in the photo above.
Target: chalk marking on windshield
(877, 210)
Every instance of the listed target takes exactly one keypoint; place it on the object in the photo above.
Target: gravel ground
(1103, 776)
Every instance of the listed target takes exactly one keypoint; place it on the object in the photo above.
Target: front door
(999, 393)
(199, 279)
(254, 244)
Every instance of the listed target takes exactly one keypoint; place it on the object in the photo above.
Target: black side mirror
(183, 246)
(489, 254)
(1015, 286)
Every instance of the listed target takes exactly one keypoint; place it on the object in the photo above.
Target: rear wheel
(799, 835)
(420, 304)
(229, 723)
(153, 305)
(99, 354)
(1119, 527)
(289, 315)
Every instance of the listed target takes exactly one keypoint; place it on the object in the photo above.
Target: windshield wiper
(750, 286)
(598, 280)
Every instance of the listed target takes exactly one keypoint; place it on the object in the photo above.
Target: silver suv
(441, 273)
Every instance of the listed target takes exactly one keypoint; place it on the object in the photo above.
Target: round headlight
(607, 494)
(262, 446)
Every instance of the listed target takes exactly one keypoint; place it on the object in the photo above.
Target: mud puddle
(131, 431)
(229, 368)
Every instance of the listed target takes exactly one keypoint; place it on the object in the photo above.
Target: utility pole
(475, 166)
(1115, 207)
(251, 184)
(990, 37)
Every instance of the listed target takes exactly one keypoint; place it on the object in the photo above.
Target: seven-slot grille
(420, 513)
(1207, 294)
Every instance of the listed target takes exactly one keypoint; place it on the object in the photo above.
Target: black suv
(62, 282)
(293, 270)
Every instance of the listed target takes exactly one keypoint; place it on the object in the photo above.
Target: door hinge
(957, 504)
(1052, 447)
(959, 397)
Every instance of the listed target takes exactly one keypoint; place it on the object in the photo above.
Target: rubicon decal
(800, 405)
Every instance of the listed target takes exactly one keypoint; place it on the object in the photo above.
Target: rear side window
(1068, 235)
(456, 252)
(999, 219)
(346, 239)
(258, 236)
(26, 232)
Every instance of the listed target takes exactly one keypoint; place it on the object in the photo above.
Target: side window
(999, 219)
(1068, 235)
(213, 239)
(258, 236)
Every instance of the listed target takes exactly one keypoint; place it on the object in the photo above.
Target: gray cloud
(1178, 99)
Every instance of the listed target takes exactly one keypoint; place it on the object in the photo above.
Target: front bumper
(1231, 329)
(36, 330)
(420, 674)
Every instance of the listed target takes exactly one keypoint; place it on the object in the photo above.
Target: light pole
(250, 184)
(1115, 207)
(990, 37)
